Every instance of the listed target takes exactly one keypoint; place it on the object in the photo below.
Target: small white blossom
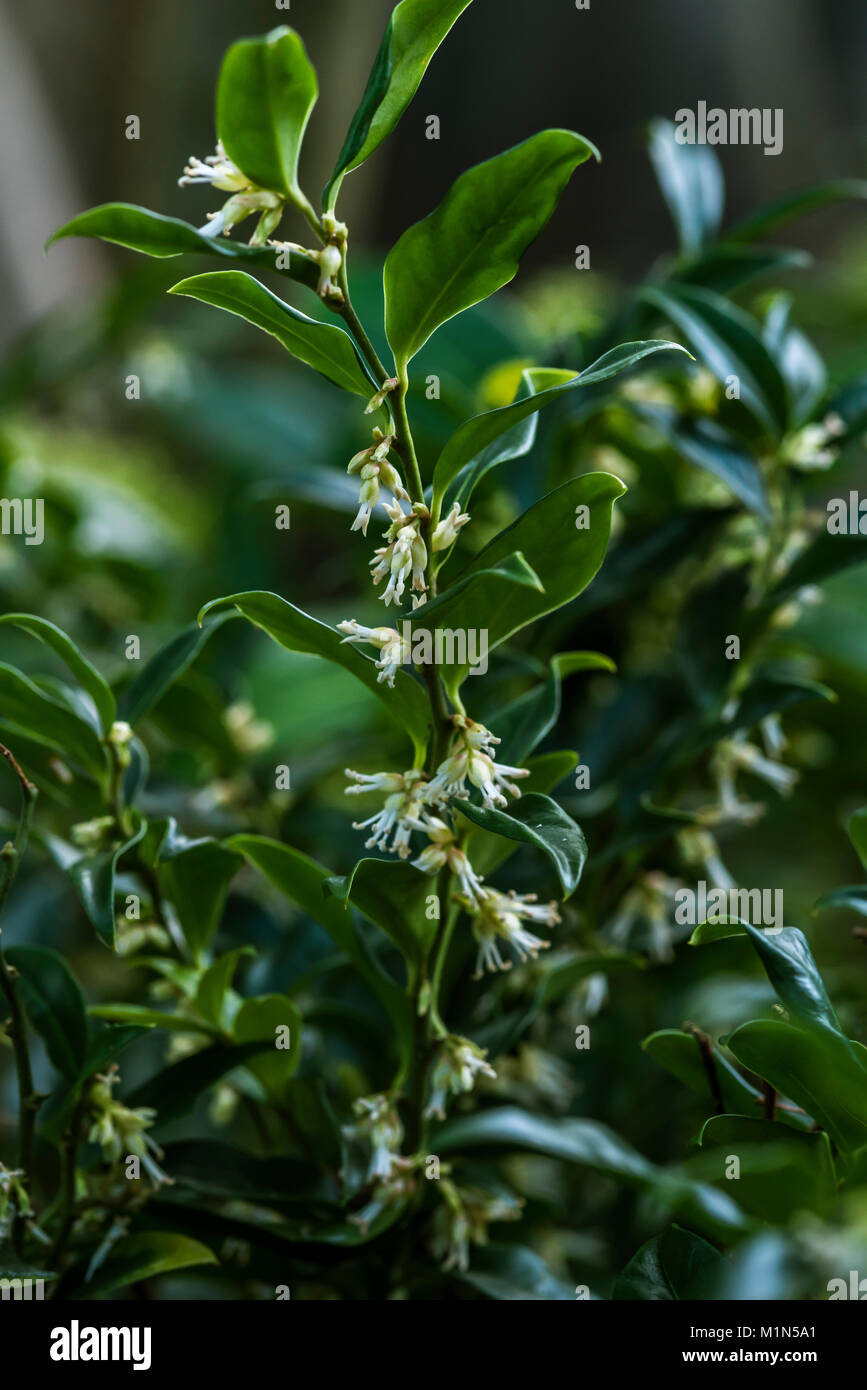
(459, 1062)
(500, 916)
(446, 532)
(393, 650)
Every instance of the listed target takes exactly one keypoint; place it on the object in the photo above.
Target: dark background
(71, 73)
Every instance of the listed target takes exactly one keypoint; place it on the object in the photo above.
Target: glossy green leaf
(275, 1020)
(53, 1003)
(164, 668)
(152, 234)
(303, 882)
(196, 882)
(174, 1090)
(394, 896)
(537, 820)
(727, 268)
(691, 180)
(727, 341)
(789, 965)
(818, 1070)
(298, 632)
(215, 983)
(94, 879)
(28, 708)
(144, 1255)
(471, 245)
(679, 1054)
(853, 898)
(591, 1145)
(265, 93)
(514, 1273)
(143, 1017)
(793, 205)
(84, 672)
(780, 1173)
(522, 724)
(414, 32)
(858, 833)
(323, 346)
(469, 443)
(564, 557)
(667, 1267)
(821, 560)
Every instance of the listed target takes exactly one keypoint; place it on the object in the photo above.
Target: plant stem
(10, 856)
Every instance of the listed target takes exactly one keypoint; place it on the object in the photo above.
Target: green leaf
(163, 669)
(591, 1145)
(303, 881)
(196, 882)
(214, 984)
(679, 1054)
(793, 205)
(564, 557)
(514, 1273)
(406, 703)
(468, 445)
(853, 898)
(265, 93)
(323, 346)
(53, 1003)
(174, 1091)
(691, 180)
(727, 341)
(152, 234)
(86, 674)
(522, 724)
(537, 820)
(858, 833)
(394, 896)
(667, 1267)
(471, 245)
(818, 1070)
(414, 32)
(143, 1017)
(94, 879)
(712, 448)
(823, 558)
(781, 1172)
(788, 964)
(260, 1019)
(28, 708)
(145, 1255)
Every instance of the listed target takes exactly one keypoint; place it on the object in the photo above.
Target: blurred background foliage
(155, 505)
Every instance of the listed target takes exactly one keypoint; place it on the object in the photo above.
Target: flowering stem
(10, 857)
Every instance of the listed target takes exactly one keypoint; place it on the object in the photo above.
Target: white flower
(808, 449)
(459, 1063)
(216, 169)
(394, 651)
(378, 1122)
(470, 757)
(500, 916)
(401, 813)
(491, 778)
(443, 851)
(404, 554)
(448, 528)
(776, 774)
(377, 401)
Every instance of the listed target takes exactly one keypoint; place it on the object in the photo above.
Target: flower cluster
(247, 198)
(121, 1132)
(459, 1062)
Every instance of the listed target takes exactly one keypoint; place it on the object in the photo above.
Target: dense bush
(494, 1058)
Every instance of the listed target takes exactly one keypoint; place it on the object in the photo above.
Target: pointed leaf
(471, 245)
(298, 632)
(691, 180)
(163, 669)
(394, 896)
(93, 876)
(323, 346)
(85, 673)
(53, 1003)
(537, 820)
(414, 32)
(265, 93)
(28, 708)
(152, 234)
